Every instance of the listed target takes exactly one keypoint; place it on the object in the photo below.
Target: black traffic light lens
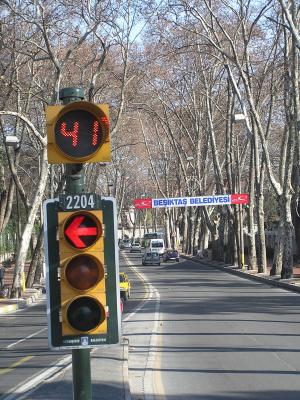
(85, 314)
(83, 272)
(78, 133)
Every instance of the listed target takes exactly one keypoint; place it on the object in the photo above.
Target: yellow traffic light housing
(82, 273)
(78, 133)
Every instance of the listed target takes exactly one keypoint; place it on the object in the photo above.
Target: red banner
(242, 198)
(142, 203)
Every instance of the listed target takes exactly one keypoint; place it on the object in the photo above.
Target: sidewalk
(28, 297)
(292, 284)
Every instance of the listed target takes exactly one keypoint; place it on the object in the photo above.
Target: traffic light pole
(81, 362)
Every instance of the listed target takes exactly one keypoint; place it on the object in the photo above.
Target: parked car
(171, 255)
(135, 248)
(151, 258)
(125, 286)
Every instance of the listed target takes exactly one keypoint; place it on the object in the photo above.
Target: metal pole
(241, 236)
(240, 211)
(81, 363)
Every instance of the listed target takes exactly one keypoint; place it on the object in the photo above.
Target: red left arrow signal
(81, 231)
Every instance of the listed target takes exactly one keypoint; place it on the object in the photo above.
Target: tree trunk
(35, 259)
(167, 227)
(191, 234)
(252, 259)
(287, 262)
(27, 231)
(39, 268)
(197, 230)
(287, 265)
(221, 241)
(278, 251)
(230, 256)
(262, 256)
(184, 230)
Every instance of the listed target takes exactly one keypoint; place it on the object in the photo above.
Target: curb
(232, 270)
(8, 308)
(127, 394)
(17, 304)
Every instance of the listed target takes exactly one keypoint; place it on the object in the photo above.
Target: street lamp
(12, 141)
(109, 186)
(238, 118)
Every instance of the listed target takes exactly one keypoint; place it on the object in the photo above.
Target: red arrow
(74, 231)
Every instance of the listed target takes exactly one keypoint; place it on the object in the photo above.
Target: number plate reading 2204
(81, 201)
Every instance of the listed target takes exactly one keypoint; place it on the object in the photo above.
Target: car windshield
(159, 244)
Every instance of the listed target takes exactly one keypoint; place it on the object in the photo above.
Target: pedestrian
(2, 272)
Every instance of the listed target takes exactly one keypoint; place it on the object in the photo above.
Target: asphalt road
(24, 351)
(218, 337)
(194, 333)
(24, 354)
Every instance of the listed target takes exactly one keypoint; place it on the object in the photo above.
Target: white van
(157, 245)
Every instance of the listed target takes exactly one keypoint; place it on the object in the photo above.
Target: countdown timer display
(78, 133)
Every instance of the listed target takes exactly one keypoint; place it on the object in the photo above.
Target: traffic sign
(215, 200)
(143, 203)
(242, 198)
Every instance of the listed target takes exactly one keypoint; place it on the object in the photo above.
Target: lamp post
(238, 118)
(109, 186)
(14, 142)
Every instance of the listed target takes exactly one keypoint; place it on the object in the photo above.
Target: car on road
(157, 245)
(135, 248)
(125, 244)
(125, 286)
(151, 258)
(171, 255)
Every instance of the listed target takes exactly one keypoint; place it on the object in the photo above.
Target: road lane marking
(25, 338)
(153, 356)
(147, 296)
(15, 364)
(24, 390)
(157, 375)
(152, 378)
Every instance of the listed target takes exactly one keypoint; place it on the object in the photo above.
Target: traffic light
(82, 271)
(82, 274)
(78, 133)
